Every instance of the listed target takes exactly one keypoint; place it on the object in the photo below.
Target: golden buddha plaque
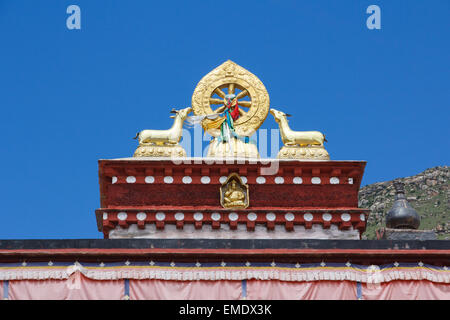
(234, 193)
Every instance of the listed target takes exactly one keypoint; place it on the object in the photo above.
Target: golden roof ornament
(250, 95)
(163, 143)
(230, 103)
(299, 144)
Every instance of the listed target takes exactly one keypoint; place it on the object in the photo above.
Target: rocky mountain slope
(428, 193)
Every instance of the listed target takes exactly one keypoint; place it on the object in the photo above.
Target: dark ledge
(363, 252)
(223, 244)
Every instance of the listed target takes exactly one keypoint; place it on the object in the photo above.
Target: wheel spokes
(231, 88)
(246, 104)
(219, 109)
(219, 92)
(215, 101)
(242, 94)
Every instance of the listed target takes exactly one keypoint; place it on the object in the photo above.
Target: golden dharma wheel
(251, 94)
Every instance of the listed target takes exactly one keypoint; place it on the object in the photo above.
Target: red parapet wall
(345, 219)
(327, 191)
(140, 183)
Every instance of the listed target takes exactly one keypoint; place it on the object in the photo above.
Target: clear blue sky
(71, 97)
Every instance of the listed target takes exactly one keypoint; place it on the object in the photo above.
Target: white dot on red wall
(141, 216)
(244, 180)
(334, 180)
(252, 216)
(114, 180)
(122, 216)
(315, 180)
(345, 217)
(168, 179)
(233, 216)
(149, 179)
(105, 216)
(260, 180)
(308, 216)
(297, 180)
(270, 216)
(222, 179)
(205, 179)
(326, 217)
(215, 216)
(187, 180)
(362, 217)
(160, 216)
(289, 216)
(179, 216)
(131, 179)
(198, 216)
(279, 180)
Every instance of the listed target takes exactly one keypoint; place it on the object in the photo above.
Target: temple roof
(436, 252)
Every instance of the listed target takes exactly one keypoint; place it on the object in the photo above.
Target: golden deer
(161, 137)
(293, 138)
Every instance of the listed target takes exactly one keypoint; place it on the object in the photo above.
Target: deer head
(278, 114)
(182, 113)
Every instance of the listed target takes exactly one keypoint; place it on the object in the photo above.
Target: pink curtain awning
(314, 290)
(139, 270)
(406, 290)
(185, 290)
(77, 287)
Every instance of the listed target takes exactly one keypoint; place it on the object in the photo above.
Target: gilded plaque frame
(244, 189)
